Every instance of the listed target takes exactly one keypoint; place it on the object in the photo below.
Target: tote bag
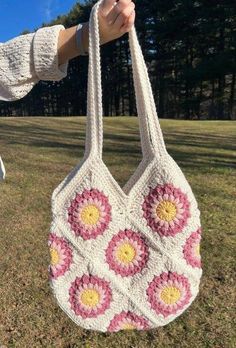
(124, 257)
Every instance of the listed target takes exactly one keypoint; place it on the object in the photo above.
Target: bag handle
(151, 135)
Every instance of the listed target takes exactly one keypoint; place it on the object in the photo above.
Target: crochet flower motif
(89, 296)
(168, 293)
(127, 253)
(166, 210)
(89, 214)
(61, 255)
(191, 249)
(127, 321)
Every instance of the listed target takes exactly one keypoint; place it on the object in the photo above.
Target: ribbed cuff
(45, 52)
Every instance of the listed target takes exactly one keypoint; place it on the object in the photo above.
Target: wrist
(81, 38)
(85, 36)
(67, 45)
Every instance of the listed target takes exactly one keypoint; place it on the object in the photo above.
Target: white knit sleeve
(27, 59)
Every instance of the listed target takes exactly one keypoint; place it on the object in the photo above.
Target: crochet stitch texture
(27, 59)
(124, 258)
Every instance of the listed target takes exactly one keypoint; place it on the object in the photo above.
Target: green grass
(38, 153)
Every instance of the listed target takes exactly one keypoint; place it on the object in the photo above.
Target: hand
(115, 19)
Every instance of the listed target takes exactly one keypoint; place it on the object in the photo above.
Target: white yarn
(2, 170)
(154, 217)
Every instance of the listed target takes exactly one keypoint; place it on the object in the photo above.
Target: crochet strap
(151, 135)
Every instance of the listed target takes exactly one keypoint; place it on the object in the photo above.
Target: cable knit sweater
(27, 59)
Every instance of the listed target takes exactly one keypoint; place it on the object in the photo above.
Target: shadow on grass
(206, 140)
(190, 150)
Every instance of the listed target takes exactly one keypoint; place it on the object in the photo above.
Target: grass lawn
(38, 153)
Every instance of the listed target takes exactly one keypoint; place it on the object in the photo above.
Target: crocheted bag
(124, 258)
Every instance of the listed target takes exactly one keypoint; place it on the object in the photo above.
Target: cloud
(48, 10)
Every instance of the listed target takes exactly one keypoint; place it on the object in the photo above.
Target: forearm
(67, 43)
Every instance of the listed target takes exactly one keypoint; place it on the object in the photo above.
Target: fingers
(116, 10)
(115, 18)
(125, 18)
(129, 23)
(106, 6)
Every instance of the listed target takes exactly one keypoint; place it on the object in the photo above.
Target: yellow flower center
(166, 210)
(170, 295)
(197, 250)
(54, 256)
(90, 297)
(128, 326)
(126, 253)
(90, 215)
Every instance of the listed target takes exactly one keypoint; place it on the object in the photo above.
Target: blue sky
(19, 15)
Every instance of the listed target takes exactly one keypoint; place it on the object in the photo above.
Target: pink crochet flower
(191, 249)
(127, 253)
(89, 296)
(61, 255)
(89, 214)
(127, 321)
(168, 293)
(166, 209)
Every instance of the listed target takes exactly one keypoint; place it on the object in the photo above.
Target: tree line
(190, 51)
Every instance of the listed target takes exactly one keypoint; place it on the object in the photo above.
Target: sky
(19, 15)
